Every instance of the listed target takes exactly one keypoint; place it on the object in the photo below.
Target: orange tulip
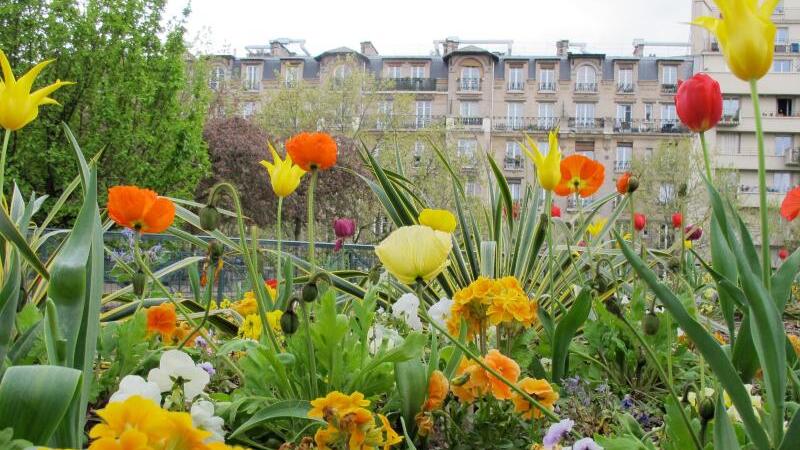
(312, 151)
(140, 209)
(162, 319)
(580, 174)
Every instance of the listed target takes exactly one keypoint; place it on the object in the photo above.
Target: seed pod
(289, 322)
(706, 409)
(309, 292)
(138, 283)
(215, 250)
(633, 184)
(612, 306)
(650, 323)
(209, 218)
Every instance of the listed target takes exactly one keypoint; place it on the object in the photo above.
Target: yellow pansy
(548, 167)
(18, 106)
(415, 252)
(596, 227)
(746, 35)
(687, 245)
(438, 219)
(284, 175)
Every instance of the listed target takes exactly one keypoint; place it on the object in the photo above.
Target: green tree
(139, 97)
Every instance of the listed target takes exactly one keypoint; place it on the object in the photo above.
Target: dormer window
(395, 72)
(669, 79)
(252, 78)
(470, 79)
(625, 80)
(586, 79)
(291, 75)
(342, 72)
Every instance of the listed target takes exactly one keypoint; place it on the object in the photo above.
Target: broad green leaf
(296, 409)
(565, 331)
(724, 435)
(411, 378)
(792, 436)
(9, 296)
(725, 264)
(10, 232)
(783, 278)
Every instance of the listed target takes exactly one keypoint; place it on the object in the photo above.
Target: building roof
(471, 50)
(340, 51)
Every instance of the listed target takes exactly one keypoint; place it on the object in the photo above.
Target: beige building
(733, 142)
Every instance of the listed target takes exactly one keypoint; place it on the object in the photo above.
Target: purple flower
(200, 342)
(693, 232)
(627, 402)
(556, 432)
(344, 228)
(208, 368)
(586, 444)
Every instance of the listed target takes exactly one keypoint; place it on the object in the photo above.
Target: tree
(139, 97)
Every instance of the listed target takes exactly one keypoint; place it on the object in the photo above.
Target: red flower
(639, 221)
(622, 183)
(790, 207)
(699, 102)
(783, 254)
(677, 220)
(555, 211)
(312, 151)
(272, 282)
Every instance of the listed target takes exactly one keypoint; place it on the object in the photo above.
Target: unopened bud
(289, 322)
(633, 184)
(706, 409)
(209, 218)
(138, 282)
(309, 292)
(650, 323)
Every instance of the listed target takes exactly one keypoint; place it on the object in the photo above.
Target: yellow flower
(392, 437)
(548, 168)
(687, 245)
(336, 404)
(415, 252)
(18, 106)
(274, 319)
(283, 174)
(247, 305)
(597, 226)
(135, 413)
(746, 35)
(795, 344)
(251, 327)
(438, 219)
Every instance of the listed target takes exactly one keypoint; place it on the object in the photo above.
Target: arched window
(586, 80)
(470, 78)
(342, 72)
(217, 77)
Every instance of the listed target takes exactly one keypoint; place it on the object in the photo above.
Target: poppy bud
(674, 264)
(138, 283)
(289, 322)
(612, 306)
(209, 218)
(309, 292)
(215, 250)
(677, 220)
(639, 221)
(706, 409)
(650, 323)
(633, 184)
(693, 232)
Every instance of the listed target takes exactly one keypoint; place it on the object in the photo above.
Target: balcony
(621, 166)
(411, 84)
(514, 123)
(513, 162)
(469, 85)
(585, 124)
(670, 126)
(625, 88)
(403, 122)
(667, 88)
(515, 86)
(729, 120)
(792, 157)
(467, 122)
(573, 203)
(586, 88)
(547, 86)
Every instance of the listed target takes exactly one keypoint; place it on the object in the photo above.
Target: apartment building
(734, 141)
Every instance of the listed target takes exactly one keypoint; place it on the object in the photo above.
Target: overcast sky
(410, 26)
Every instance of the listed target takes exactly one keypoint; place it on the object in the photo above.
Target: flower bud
(706, 409)
(309, 292)
(633, 184)
(289, 322)
(612, 306)
(460, 380)
(209, 218)
(682, 190)
(138, 283)
(215, 250)
(650, 323)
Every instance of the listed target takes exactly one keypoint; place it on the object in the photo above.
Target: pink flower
(343, 228)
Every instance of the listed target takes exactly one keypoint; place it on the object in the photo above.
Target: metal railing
(469, 84)
(411, 84)
(513, 162)
(585, 124)
(468, 121)
(585, 87)
(506, 123)
(625, 88)
(792, 157)
(729, 120)
(547, 86)
(667, 88)
(622, 166)
(670, 126)
(515, 86)
(404, 122)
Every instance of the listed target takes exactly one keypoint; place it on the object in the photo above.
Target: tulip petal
(8, 75)
(790, 207)
(26, 81)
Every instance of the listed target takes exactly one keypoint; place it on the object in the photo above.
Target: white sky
(410, 26)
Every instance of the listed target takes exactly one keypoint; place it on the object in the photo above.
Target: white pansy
(175, 365)
(440, 311)
(407, 308)
(135, 385)
(378, 334)
(203, 418)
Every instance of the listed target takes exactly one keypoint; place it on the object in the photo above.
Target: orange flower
(162, 319)
(507, 367)
(438, 387)
(622, 183)
(471, 381)
(580, 174)
(539, 390)
(140, 209)
(790, 207)
(312, 151)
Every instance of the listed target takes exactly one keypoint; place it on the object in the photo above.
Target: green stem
(312, 359)
(6, 138)
(311, 221)
(706, 158)
(279, 239)
(762, 189)
(210, 272)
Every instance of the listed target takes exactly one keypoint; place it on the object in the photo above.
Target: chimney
(638, 47)
(367, 49)
(278, 49)
(562, 47)
(450, 44)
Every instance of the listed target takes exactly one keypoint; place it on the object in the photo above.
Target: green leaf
(792, 436)
(565, 331)
(724, 263)
(296, 409)
(9, 231)
(678, 434)
(9, 296)
(724, 435)
(35, 399)
(783, 278)
(411, 378)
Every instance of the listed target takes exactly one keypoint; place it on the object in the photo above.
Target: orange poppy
(539, 390)
(162, 319)
(507, 367)
(790, 207)
(622, 183)
(580, 174)
(140, 209)
(312, 151)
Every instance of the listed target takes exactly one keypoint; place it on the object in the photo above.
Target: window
(668, 115)
(385, 109)
(513, 158)
(514, 115)
(466, 150)
(252, 81)
(470, 79)
(419, 149)
(380, 226)
(728, 143)
(665, 235)
(292, 74)
(417, 72)
(584, 115)
(216, 78)
(341, 73)
(472, 188)
(515, 186)
(585, 148)
(469, 109)
(516, 78)
(625, 79)
(779, 7)
(624, 116)
(666, 193)
(669, 75)
(248, 109)
(784, 107)
(547, 118)
(586, 79)
(782, 65)
(781, 36)
(782, 144)
(782, 182)
(395, 72)
(547, 79)
(423, 113)
(624, 157)
(730, 107)
(648, 112)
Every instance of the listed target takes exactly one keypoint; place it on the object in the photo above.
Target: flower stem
(762, 189)
(279, 239)
(311, 221)
(706, 158)
(312, 358)
(6, 138)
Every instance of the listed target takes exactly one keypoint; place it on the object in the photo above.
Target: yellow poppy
(415, 252)
(596, 227)
(438, 219)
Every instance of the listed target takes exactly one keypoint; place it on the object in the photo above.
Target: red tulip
(639, 221)
(783, 254)
(555, 211)
(677, 220)
(790, 207)
(272, 282)
(693, 232)
(699, 102)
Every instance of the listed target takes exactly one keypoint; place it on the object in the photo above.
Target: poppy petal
(160, 216)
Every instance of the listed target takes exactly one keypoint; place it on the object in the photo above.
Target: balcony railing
(411, 84)
(729, 120)
(622, 166)
(670, 126)
(515, 86)
(792, 157)
(513, 162)
(586, 87)
(404, 122)
(585, 124)
(524, 123)
(667, 88)
(469, 84)
(547, 86)
(468, 121)
(572, 203)
(625, 88)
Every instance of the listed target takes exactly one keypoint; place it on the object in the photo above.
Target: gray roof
(339, 51)
(471, 49)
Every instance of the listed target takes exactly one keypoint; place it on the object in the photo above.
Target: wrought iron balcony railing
(469, 84)
(625, 88)
(514, 123)
(411, 84)
(792, 157)
(513, 162)
(547, 86)
(586, 87)
(403, 122)
(515, 86)
(668, 88)
(585, 124)
(623, 165)
(729, 120)
(468, 121)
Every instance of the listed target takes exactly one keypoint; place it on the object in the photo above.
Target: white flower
(407, 308)
(176, 364)
(135, 385)
(203, 418)
(441, 311)
(378, 333)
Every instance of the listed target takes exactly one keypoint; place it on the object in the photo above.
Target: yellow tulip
(548, 168)
(415, 252)
(438, 219)
(746, 35)
(284, 175)
(597, 226)
(18, 106)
